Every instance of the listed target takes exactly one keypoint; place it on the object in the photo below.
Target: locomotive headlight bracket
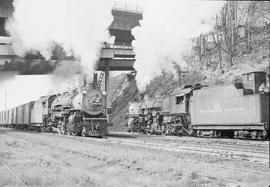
(109, 110)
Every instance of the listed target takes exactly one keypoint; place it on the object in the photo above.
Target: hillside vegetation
(239, 42)
(123, 89)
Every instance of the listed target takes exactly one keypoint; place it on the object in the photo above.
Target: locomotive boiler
(80, 111)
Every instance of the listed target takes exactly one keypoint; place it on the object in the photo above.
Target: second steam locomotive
(239, 110)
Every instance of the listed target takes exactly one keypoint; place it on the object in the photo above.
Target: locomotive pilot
(148, 121)
(154, 126)
(160, 122)
(157, 123)
(131, 124)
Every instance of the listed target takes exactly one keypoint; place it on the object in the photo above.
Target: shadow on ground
(122, 135)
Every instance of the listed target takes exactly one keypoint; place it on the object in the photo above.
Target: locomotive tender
(79, 112)
(238, 110)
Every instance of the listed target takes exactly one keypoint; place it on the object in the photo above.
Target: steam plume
(78, 25)
(165, 32)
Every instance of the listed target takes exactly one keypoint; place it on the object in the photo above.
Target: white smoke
(78, 25)
(25, 88)
(165, 32)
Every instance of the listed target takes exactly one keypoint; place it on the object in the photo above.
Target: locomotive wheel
(254, 134)
(192, 132)
(84, 132)
(69, 132)
(264, 134)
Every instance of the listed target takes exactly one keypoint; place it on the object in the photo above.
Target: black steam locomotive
(80, 112)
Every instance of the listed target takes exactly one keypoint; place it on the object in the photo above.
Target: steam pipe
(95, 81)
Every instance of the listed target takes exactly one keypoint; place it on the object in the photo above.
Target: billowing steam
(165, 33)
(78, 25)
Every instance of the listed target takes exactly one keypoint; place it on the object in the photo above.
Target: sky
(21, 89)
(80, 26)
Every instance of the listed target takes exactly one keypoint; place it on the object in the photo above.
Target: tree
(179, 72)
(229, 25)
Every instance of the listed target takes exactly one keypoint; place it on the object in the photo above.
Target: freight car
(238, 110)
(81, 112)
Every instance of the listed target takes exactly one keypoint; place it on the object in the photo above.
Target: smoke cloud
(77, 25)
(165, 32)
(24, 88)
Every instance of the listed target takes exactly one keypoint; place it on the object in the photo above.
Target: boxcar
(20, 115)
(1, 118)
(27, 113)
(6, 117)
(14, 117)
(36, 113)
(9, 117)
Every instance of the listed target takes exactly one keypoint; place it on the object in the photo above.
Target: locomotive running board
(258, 126)
(89, 119)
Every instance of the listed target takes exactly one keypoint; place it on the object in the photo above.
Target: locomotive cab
(252, 82)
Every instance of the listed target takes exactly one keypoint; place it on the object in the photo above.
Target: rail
(85, 119)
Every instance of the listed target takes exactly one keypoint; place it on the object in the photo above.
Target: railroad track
(249, 152)
(259, 147)
(145, 144)
(226, 146)
(241, 142)
(233, 153)
(182, 146)
(249, 156)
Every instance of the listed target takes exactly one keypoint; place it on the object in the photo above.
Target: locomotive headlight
(104, 93)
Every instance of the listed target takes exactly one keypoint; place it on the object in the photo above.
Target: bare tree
(217, 40)
(229, 27)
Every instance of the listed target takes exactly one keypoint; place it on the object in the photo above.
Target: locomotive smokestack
(95, 80)
(141, 96)
(84, 80)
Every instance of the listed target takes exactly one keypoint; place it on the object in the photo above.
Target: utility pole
(268, 29)
(6, 100)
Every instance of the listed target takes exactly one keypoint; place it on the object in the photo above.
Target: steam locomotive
(239, 110)
(80, 112)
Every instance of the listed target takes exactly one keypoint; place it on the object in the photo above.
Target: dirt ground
(34, 159)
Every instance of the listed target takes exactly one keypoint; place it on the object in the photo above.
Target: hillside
(123, 90)
(239, 42)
